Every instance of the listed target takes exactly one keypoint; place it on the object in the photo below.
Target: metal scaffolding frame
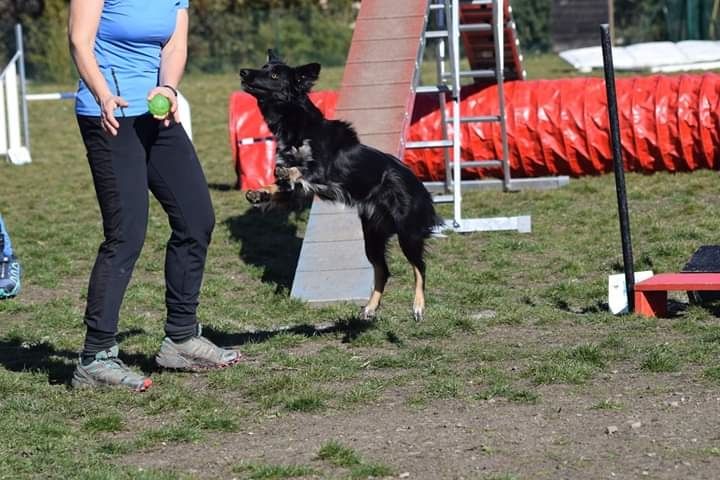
(447, 35)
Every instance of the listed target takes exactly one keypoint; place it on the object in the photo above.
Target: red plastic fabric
(560, 127)
(252, 144)
(555, 127)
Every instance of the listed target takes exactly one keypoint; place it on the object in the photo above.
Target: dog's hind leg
(414, 249)
(375, 248)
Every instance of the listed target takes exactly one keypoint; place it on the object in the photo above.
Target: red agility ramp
(480, 46)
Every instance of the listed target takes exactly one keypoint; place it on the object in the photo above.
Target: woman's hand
(173, 114)
(107, 113)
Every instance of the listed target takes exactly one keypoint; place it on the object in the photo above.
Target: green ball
(159, 105)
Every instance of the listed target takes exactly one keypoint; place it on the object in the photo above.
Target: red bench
(651, 294)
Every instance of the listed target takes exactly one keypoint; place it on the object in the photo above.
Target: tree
(224, 34)
(532, 18)
(48, 55)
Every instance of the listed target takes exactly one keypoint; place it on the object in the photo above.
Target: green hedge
(228, 34)
(532, 18)
(222, 39)
(225, 35)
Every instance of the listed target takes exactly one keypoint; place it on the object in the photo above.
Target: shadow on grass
(709, 301)
(598, 307)
(674, 308)
(350, 328)
(18, 355)
(268, 240)
(222, 187)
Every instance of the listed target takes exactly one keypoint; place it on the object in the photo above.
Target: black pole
(618, 165)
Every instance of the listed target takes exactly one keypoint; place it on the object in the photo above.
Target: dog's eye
(274, 76)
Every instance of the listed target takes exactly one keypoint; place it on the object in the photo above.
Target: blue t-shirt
(127, 47)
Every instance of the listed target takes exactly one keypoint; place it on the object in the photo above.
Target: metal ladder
(448, 32)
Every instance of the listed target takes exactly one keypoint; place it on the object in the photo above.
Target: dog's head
(278, 81)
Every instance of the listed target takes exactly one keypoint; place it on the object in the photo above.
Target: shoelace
(208, 349)
(117, 363)
(113, 362)
(9, 269)
(14, 270)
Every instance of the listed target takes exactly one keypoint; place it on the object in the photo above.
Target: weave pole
(618, 166)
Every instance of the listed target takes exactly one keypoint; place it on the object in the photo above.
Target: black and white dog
(325, 158)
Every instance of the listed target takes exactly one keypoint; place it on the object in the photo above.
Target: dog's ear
(273, 57)
(306, 75)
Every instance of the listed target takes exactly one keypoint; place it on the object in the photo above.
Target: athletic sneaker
(9, 276)
(108, 370)
(9, 266)
(196, 354)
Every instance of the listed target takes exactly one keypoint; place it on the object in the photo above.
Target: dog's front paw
(257, 197)
(282, 173)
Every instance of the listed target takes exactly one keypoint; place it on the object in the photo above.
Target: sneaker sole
(187, 366)
(79, 383)
(16, 289)
(11, 293)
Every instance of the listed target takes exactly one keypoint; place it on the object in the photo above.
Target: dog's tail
(434, 224)
(427, 216)
(438, 221)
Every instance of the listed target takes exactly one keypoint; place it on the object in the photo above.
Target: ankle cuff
(97, 341)
(180, 334)
(180, 337)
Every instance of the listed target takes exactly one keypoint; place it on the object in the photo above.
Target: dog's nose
(243, 73)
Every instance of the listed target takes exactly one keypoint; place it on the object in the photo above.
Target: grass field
(518, 371)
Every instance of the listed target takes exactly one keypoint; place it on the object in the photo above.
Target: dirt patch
(660, 430)
(72, 287)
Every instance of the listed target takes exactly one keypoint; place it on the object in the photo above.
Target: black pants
(145, 155)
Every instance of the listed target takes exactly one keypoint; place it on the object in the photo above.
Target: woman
(128, 51)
